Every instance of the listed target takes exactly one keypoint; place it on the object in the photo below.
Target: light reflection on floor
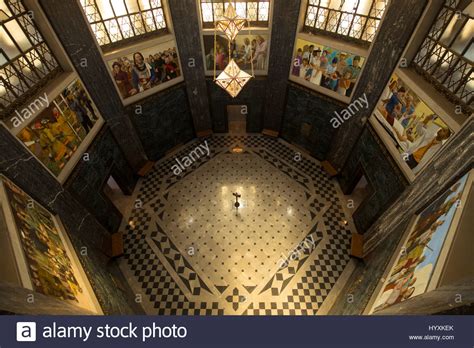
(189, 251)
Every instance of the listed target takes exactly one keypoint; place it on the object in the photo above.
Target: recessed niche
(237, 118)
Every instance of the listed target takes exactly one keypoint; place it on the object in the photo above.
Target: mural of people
(260, 57)
(416, 131)
(245, 50)
(78, 108)
(411, 274)
(330, 68)
(145, 69)
(56, 133)
(122, 80)
(143, 74)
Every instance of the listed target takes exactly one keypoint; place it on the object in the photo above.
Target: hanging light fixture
(232, 79)
(230, 24)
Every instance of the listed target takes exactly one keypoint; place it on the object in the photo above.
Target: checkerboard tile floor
(190, 252)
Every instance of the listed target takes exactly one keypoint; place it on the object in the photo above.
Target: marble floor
(189, 251)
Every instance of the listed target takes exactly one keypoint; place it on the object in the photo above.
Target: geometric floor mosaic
(189, 251)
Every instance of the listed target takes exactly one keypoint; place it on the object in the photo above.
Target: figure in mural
(80, 111)
(210, 58)
(171, 68)
(331, 76)
(142, 74)
(260, 53)
(306, 70)
(429, 141)
(297, 62)
(417, 131)
(246, 54)
(354, 69)
(56, 133)
(315, 63)
(84, 100)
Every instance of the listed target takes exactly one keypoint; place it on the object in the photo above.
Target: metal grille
(446, 56)
(26, 62)
(256, 11)
(356, 19)
(114, 21)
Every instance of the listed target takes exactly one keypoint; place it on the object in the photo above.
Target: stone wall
(382, 173)
(285, 22)
(306, 120)
(87, 181)
(185, 19)
(252, 96)
(163, 121)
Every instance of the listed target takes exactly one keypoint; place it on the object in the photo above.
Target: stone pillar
(400, 20)
(19, 165)
(285, 22)
(188, 38)
(72, 29)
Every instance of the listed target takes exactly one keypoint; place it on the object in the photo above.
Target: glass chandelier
(232, 79)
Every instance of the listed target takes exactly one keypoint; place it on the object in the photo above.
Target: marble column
(400, 20)
(72, 29)
(20, 166)
(185, 18)
(285, 22)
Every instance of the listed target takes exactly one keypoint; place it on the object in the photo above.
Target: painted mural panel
(56, 133)
(416, 131)
(420, 253)
(245, 50)
(42, 248)
(145, 69)
(324, 66)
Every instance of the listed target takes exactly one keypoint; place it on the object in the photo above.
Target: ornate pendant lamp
(232, 79)
(230, 24)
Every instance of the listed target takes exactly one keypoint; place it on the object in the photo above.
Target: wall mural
(245, 49)
(327, 67)
(56, 133)
(145, 69)
(419, 256)
(49, 266)
(414, 128)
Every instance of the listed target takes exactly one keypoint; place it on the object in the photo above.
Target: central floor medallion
(280, 252)
(236, 247)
